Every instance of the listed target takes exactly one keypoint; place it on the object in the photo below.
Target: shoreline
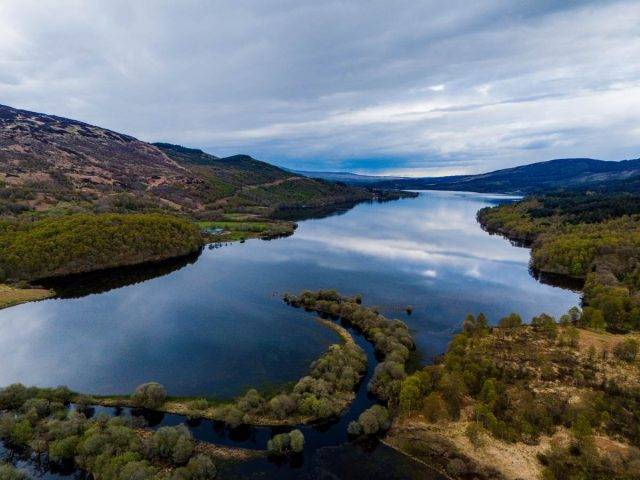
(181, 407)
(12, 296)
(524, 241)
(249, 227)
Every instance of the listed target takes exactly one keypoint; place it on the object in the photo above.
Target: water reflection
(81, 285)
(38, 466)
(216, 325)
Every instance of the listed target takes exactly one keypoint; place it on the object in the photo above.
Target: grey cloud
(366, 85)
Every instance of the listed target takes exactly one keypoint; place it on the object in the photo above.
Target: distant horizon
(366, 174)
(411, 173)
(416, 89)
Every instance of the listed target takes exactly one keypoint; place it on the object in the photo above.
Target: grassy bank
(10, 296)
(239, 227)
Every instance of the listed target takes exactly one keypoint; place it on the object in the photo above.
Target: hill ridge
(50, 163)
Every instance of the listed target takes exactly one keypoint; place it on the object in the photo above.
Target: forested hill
(591, 236)
(565, 173)
(50, 163)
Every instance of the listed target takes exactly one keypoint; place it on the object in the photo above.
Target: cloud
(412, 87)
(429, 273)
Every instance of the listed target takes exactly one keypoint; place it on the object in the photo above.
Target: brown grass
(10, 296)
(601, 340)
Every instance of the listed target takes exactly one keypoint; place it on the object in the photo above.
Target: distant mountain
(346, 177)
(50, 163)
(566, 173)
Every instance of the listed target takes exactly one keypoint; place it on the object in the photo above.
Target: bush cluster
(9, 472)
(391, 338)
(321, 394)
(149, 395)
(581, 459)
(375, 419)
(109, 448)
(520, 382)
(282, 443)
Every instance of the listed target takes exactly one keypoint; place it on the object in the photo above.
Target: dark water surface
(215, 324)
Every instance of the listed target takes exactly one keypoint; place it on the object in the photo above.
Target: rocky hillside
(49, 163)
(517, 402)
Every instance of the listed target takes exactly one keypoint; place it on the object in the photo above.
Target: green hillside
(82, 243)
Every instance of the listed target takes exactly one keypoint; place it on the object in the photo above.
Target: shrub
(137, 470)
(474, 433)
(252, 401)
(279, 444)
(13, 396)
(63, 449)
(354, 428)
(200, 467)
(434, 407)
(368, 422)
(570, 337)
(512, 320)
(9, 472)
(83, 403)
(182, 450)
(199, 404)
(39, 406)
(60, 394)
(7, 421)
(282, 405)
(297, 441)
(627, 350)
(149, 395)
(453, 390)
(593, 317)
(475, 325)
(373, 420)
(173, 443)
(410, 394)
(545, 323)
(456, 467)
(21, 432)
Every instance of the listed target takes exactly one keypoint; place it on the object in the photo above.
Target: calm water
(216, 324)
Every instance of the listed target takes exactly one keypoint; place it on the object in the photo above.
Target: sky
(415, 88)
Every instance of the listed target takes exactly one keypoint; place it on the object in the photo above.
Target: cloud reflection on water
(217, 326)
